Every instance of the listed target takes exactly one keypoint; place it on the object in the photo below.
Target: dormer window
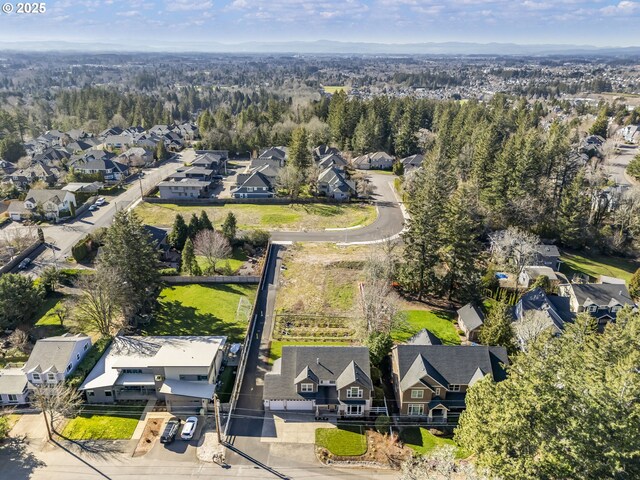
(35, 376)
(615, 308)
(51, 377)
(453, 388)
(354, 392)
(306, 387)
(592, 308)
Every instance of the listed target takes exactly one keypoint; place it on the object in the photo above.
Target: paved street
(615, 164)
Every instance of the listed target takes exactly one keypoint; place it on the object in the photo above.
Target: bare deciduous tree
(290, 179)
(533, 325)
(213, 246)
(19, 339)
(56, 402)
(98, 307)
(513, 249)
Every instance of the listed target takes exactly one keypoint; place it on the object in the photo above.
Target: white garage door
(276, 404)
(299, 405)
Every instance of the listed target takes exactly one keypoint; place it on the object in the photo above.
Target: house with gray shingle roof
(554, 313)
(424, 337)
(13, 387)
(320, 379)
(253, 185)
(470, 321)
(601, 300)
(54, 203)
(431, 381)
(333, 183)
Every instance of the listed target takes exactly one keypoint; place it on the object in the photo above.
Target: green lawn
(331, 89)
(90, 426)
(314, 216)
(201, 310)
(440, 323)
(275, 352)
(343, 441)
(237, 259)
(422, 441)
(595, 265)
(46, 316)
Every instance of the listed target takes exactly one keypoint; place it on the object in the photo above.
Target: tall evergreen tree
(299, 155)
(460, 248)
(573, 214)
(497, 329)
(179, 233)
(229, 227)
(189, 264)
(129, 253)
(194, 226)
(204, 222)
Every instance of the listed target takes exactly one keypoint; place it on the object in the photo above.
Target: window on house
(86, 345)
(415, 409)
(437, 391)
(90, 393)
(69, 367)
(35, 376)
(454, 388)
(77, 356)
(131, 370)
(615, 309)
(107, 393)
(593, 308)
(13, 398)
(354, 392)
(417, 393)
(51, 376)
(203, 378)
(306, 387)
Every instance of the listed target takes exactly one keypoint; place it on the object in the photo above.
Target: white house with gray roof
(320, 379)
(601, 300)
(179, 370)
(54, 203)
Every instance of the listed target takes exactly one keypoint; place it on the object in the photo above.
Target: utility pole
(140, 183)
(216, 405)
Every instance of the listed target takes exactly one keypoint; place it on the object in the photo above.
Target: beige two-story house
(431, 381)
(321, 380)
(601, 300)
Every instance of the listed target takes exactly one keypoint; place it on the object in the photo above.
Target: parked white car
(101, 201)
(189, 428)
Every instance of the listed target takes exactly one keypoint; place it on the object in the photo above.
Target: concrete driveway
(287, 427)
(31, 426)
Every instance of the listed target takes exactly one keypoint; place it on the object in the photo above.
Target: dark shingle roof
(325, 363)
(424, 337)
(602, 294)
(456, 365)
(471, 316)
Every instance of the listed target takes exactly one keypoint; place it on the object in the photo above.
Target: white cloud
(625, 7)
(188, 5)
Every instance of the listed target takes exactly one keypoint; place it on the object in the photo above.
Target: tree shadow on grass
(174, 318)
(16, 462)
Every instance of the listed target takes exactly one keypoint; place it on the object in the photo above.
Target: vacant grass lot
(275, 351)
(596, 265)
(422, 441)
(267, 217)
(342, 441)
(94, 424)
(201, 310)
(440, 323)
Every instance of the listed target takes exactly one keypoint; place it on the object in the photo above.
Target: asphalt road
(616, 163)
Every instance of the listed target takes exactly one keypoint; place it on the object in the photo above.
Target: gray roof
(36, 195)
(253, 179)
(12, 381)
(53, 352)
(471, 316)
(102, 164)
(448, 365)
(424, 337)
(413, 160)
(275, 152)
(547, 250)
(602, 294)
(556, 308)
(343, 365)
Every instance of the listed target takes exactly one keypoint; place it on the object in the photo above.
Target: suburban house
(54, 203)
(320, 379)
(373, 161)
(34, 173)
(122, 141)
(175, 188)
(333, 183)
(136, 157)
(109, 170)
(181, 371)
(552, 313)
(322, 151)
(412, 162)
(547, 256)
(431, 381)
(14, 387)
(601, 300)
(630, 133)
(53, 359)
(253, 185)
(530, 274)
(470, 321)
(215, 160)
(332, 160)
(87, 187)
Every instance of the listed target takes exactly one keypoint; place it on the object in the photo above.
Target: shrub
(88, 362)
(168, 272)
(382, 424)
(257, 238)
(80, 250)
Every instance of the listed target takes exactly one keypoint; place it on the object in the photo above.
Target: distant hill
(332, 47)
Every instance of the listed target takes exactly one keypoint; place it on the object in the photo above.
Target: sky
(147, 23)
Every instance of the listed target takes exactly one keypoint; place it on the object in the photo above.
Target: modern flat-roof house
(431, 381)
(184, 188)
(320, 379)
(181, 371)
(601, 300)
(470, 321)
